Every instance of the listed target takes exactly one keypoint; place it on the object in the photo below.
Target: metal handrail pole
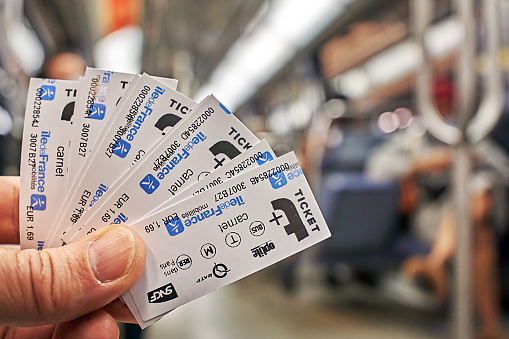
(422, 10)
(466, 74)
(462, 307)
(491, 106)
(466, 79)
(471, 128)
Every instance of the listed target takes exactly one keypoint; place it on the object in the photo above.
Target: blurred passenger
(350, 140)
(422, 164)
(335, 144)
(64, 66)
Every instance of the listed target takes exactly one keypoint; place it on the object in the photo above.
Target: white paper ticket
(104, 91)
(78, 172)
(99, 130)
(100, 91)
(198, 146)
(44, 157)
(224, 234)
(107, 89)
(258, 155)
(255, 156)
(128, 300)
(151, 111)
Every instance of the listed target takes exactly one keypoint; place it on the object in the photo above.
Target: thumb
(60, 284)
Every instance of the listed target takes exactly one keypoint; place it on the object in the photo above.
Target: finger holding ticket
(211, 202)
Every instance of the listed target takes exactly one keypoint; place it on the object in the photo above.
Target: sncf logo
(149, 184)
(223, 147)
(295, 224)
(162, 294)
(38, 202)
(174, 226)
(121, 148)
(48, 92)
(97, 111)
(266, 157)
(278, 180)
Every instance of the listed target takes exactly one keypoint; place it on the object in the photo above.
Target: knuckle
(44, 285)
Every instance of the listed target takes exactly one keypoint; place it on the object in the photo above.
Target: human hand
(66, 292)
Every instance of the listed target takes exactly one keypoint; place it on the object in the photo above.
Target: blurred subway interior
(377, 113)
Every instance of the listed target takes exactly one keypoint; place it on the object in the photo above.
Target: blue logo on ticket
(278, 180)
(97, 111)
(149, 184)
(47, 92)
(38, 202)
(266, 157)
(121, 148)
(174, 226)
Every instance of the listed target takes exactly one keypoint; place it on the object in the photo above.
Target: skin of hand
(66, 292)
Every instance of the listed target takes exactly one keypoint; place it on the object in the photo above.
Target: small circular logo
(257, 228)
(208, 251)
(184, 261)
(232, 239)
(220, 270)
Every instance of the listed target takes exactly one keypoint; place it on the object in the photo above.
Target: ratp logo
(174, 226)
(278, 180)
(121, 148)
(266, 157)
(48, 92)
(97, 111)
(38, 202)
(149, 184)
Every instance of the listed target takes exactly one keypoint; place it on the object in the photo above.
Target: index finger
(9, 210)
